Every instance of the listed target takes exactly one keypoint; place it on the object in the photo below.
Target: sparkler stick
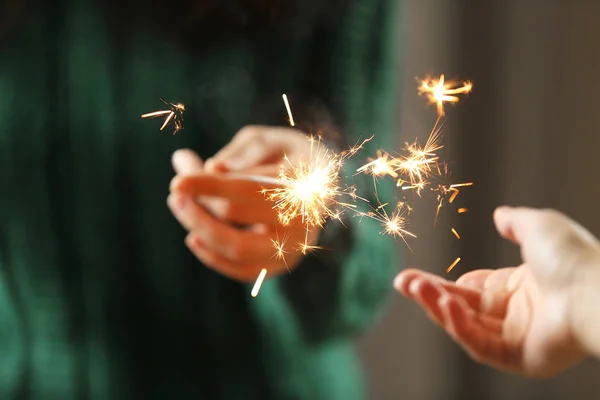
(267, 180)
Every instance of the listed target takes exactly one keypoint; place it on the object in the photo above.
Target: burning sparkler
(310, 190)
(175, 114)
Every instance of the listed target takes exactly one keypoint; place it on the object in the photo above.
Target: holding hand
(528, 319)
(231, 223)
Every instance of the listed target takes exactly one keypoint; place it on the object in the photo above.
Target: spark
(455, 233)
(453, 264)
(438, 91)
(259, 281)
(175, 114)
(394, 224)
(411, 169)
(462, 210)
(310, 190)
(380, 166)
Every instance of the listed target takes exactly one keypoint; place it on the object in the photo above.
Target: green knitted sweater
(99, 297)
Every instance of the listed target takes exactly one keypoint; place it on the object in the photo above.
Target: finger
(255, 145)
(239, 272)
(404, 279)
(547, 238)
(482, 342)
(240, 246)
(427, 295)
(487, 279)
(186, 162)
(220, 185)
(499, 278)
(474, 279)
(240, 213)
(518, 224)
(492, 303)
(186, 211)
(270, 170)
(408, 281)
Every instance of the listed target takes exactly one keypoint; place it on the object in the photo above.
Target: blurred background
(529, 134)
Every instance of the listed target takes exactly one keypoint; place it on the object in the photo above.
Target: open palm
(501, 318)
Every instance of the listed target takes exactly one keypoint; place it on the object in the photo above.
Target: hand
(517, 319)
(232, 225)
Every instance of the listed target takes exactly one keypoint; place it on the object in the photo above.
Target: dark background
(529, 134)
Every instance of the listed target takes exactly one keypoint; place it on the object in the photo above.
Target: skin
(533, 319)
(231, 224)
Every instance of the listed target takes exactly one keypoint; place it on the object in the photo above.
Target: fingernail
(194, 241)
(398, 282)
(177, 202)
(443, 300)
(502, 209)
(179, 156)
(413, 287)
(246, 159)
(468, 283)
(236, 165)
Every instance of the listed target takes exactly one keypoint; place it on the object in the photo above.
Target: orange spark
(453, 264)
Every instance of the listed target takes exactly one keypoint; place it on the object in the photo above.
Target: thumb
(548, 238)
(186, 162)
(256, 145)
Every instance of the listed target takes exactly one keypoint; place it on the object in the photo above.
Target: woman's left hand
(231, 224)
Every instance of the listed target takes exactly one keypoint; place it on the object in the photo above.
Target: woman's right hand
(536, 319)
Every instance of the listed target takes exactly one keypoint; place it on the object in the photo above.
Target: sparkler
(310, 190)
(175, 114)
